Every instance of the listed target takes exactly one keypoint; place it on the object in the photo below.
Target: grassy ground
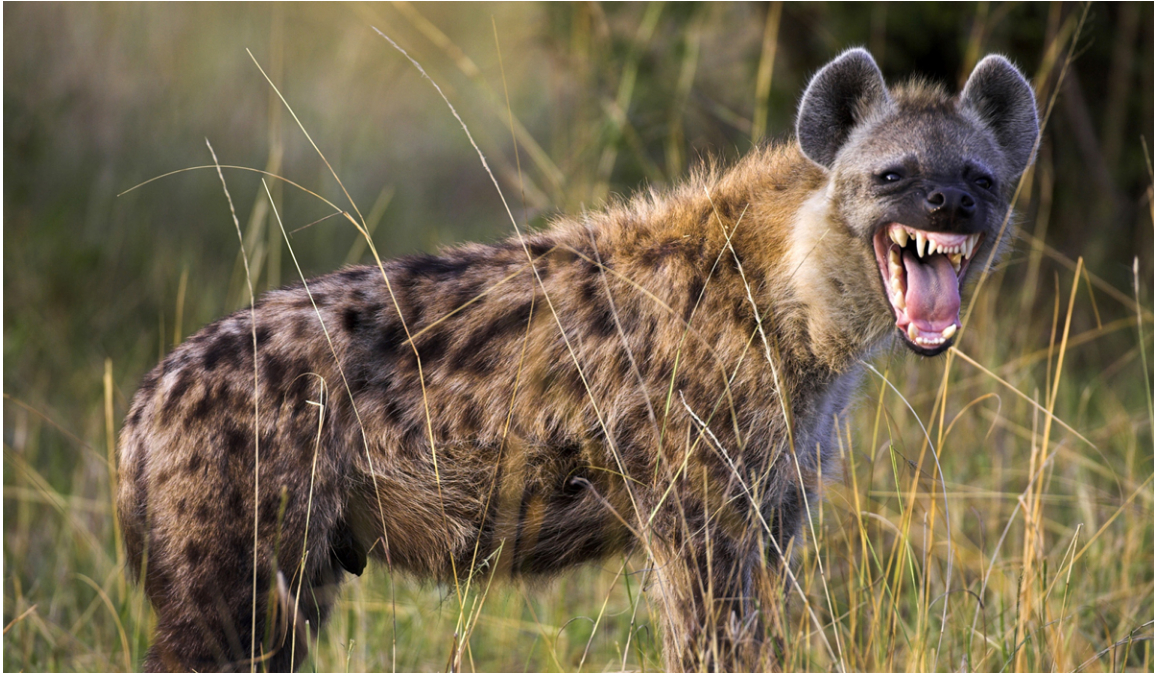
(1030, 550)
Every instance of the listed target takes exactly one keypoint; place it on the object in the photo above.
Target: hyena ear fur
(838, 98)
(1000, 95)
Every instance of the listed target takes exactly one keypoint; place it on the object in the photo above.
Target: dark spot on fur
(202, 408)
(233, 440)
(263, 333)
(568, 449)
(727, 209)
(203, 513)
(664, 373)
(575, 382)
(227, 349)
(468, 294)
(393, 411)
(354, 273)
(182, 506)
(476, 353)
(351, 318)
(601, 322)
(163, 477)
(590, 289)
(696, 288)
(270, 506)
(431, 347)
(540, 247)
(273, 373)
(194, 463)
(433, 266)
(391, 337)
(471, 417)
(194, 553)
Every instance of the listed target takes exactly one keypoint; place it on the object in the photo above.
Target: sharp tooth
(921, 244)
(900, 236)
(971, 243)
(931, 247)
(900, 299)
(949, 332)
(956, 261)
(912, 332)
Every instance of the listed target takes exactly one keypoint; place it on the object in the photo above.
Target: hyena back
(661, 376)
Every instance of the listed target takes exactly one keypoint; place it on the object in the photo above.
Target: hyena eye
(890, 177)
(984, 182)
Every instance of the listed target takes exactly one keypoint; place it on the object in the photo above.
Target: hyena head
(922, 180)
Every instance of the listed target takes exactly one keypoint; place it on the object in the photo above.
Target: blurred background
(571, 104)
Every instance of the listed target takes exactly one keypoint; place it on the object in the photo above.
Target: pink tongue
(932, 298)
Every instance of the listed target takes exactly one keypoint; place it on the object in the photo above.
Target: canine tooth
(949, 332)
(913, 332)
(971, 243)
(956, 261)
(921, 244)
(900, 236)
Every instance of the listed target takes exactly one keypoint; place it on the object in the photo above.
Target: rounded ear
(842, 93)
(1000, 95)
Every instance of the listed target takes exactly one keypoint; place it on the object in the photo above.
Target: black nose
(950, 202)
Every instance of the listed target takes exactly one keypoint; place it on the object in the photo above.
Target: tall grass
(991, 509)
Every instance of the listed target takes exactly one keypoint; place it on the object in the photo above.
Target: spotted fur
(661, 376)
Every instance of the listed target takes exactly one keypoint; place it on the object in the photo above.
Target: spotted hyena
(661, 376)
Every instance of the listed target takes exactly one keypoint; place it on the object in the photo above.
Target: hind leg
(210, 622)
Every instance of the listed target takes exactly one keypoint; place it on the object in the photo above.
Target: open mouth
(922, 273)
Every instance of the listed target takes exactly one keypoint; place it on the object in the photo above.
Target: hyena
(661, 376)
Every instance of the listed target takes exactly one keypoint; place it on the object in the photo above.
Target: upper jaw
(929, 326)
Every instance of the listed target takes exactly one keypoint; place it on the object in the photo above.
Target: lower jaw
(925, 338)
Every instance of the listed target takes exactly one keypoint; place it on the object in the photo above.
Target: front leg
(719, 579)
(710, 587)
